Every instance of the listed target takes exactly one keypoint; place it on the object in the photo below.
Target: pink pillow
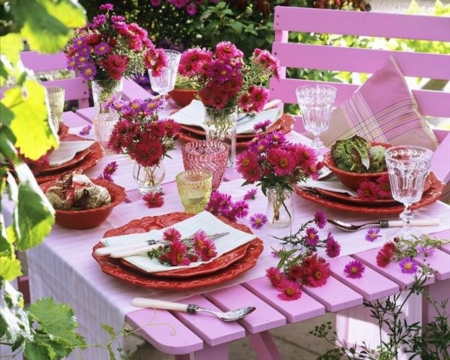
(382, 110)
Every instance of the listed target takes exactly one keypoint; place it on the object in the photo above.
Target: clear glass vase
(104, 90)
(280, 211)
(221, 125)
(149, 178)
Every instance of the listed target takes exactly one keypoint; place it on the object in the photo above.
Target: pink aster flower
(171, 234)
(289, 290)
(425, 251)
(408, 265)
(312, 237)
(257, 221)
(153, 199)
(333, 248)
(275, 276)
(354, 269)
(367, 191)
(320, 219)
(85, 130)
(111, 168)
(372, 234)
(176, 255)
(384, 187)
(251, 194)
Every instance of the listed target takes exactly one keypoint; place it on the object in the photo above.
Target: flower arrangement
(272, 162)
(108, 49)
(180, 251)
(303, 266)
(140, 133)
(224, 81)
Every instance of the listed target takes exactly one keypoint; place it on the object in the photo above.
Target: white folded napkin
(330, 185)
(203, 221)
(67, 151)
(194, 115)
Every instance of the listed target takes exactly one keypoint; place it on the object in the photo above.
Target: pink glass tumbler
(209, 155)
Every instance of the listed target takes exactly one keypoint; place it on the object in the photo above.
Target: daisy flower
(354, 269)
(153, 199)
(257, 221)
(372, 234)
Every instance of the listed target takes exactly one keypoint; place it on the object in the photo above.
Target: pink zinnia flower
(289, 290)
(354, 269)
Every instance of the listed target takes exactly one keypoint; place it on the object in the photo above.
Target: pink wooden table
(63, 267)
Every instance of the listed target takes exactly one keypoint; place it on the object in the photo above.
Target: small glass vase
(149, 178)
(280, 211)
(104, 90)
(221, 125)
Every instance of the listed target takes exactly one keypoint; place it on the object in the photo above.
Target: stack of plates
(74, 153)
(346, 202)
(220, 269)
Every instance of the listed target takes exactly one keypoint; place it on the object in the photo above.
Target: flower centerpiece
(277, 165)
(145, 138)
(225, 83)
(108, 49)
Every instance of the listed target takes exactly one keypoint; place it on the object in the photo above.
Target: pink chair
(432, 103)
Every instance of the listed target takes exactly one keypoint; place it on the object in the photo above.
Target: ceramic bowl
(89, 218)
(350, 179)
(182, 97)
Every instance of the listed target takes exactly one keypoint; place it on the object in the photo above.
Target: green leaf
(30, 124)
(12, 45)
(34, 215)
(59, 321)
(9, 268)
(47, 24)
(109, 330)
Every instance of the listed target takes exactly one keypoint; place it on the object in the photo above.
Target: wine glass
(408, 167)
(316, 103)
(166, 81)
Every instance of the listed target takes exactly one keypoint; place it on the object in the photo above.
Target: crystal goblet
(316, 103)
(408, 167)
(166, 81)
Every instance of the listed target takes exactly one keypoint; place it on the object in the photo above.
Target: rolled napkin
(203, 221)
(330, 185)
(194, 115)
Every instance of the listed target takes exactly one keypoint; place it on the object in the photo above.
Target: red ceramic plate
(76, 159)
(115, 267)
(430, 196)
(63, 130)
(91, 159)
(284, 125)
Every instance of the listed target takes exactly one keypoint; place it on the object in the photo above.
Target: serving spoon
(232, 315)
(381, 223)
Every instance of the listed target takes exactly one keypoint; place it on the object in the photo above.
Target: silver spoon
(232, 315)
(381, 223)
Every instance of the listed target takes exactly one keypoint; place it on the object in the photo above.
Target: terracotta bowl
(182, 97)
(350, 179)
(89, 218)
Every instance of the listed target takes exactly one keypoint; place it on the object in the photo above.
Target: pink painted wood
(432, 103)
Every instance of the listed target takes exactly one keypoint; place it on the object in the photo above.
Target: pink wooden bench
(432, 103)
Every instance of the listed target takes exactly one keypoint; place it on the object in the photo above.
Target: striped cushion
(383, 110)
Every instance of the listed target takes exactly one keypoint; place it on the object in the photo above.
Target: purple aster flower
(251, 194)
(191, 9)
(98, 20)
(333, 248)
(85, 130)
(105, 176)
(320, 219)
(241, 208)
(257, 221)
(111, 168)
(311, 236)
(372, 234)
(354, 269)
(106, 6)
(409, 265)
(425, 251)
(102, 48)
(88, 71)
(262, 125)
(84, 50)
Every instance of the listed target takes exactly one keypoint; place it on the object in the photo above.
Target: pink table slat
(334, 295)
(392, 271)
(165, 331)
(304, 308)
(202, 323)
(87, 113)
(439, 261)
(444, 235)
(263, 318)
(73, 120)
(372, 285)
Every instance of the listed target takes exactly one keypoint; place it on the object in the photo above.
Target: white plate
(67, 151)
